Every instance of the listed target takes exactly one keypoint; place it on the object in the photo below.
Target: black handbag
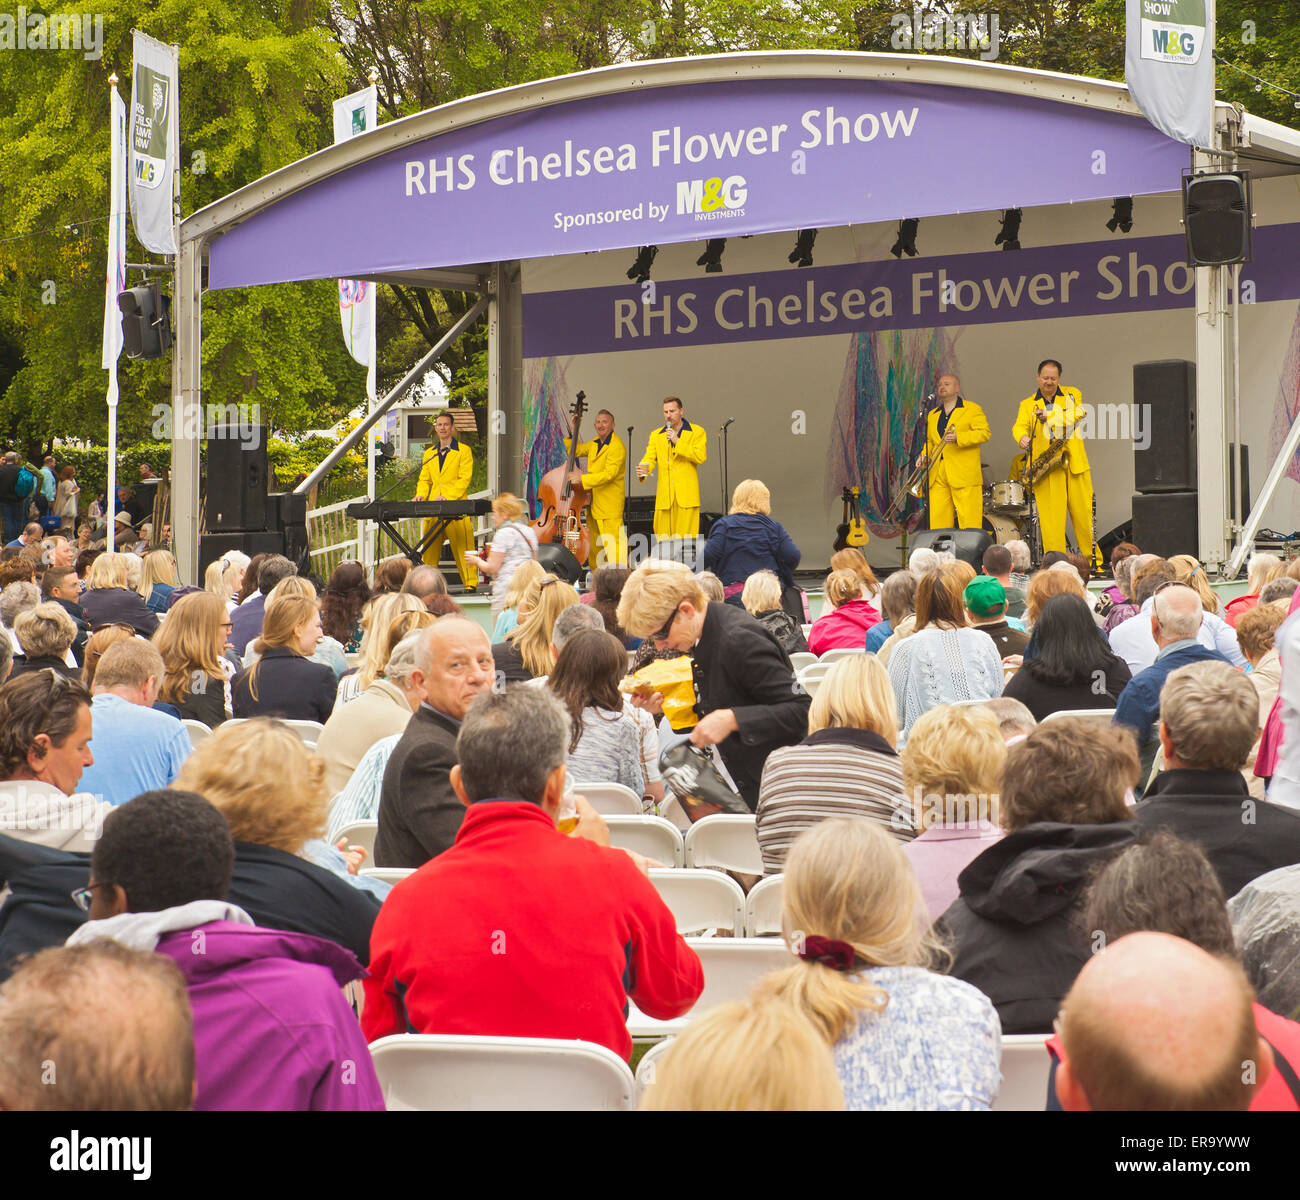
(695, 780)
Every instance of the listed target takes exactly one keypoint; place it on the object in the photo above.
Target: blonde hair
(1043, 585)
(852, 559)
(751, 496)
(292, 585)
(546, 599)
(132, 662)
(187, 641)
(1263, 568)
(108, 571)
(527, 572)
(762, 592)
(214, 581)
(400, 626)
(508, 506)
(1187, 570)
(45, 630)
(755, 1056)
(158, 566)
(376, 618)
(955, 752)
(285, 615)
(843, 586)
(134, 571)
(652, 592)
(848, 880)
(284, 808)
(1210, 712)
(856, 693)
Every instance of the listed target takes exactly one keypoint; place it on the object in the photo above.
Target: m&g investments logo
(1173, 31)
(712, 199)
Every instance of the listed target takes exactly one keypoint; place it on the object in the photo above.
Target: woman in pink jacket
(847, 625)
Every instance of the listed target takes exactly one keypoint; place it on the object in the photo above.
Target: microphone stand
(722, 442)
(628, 486)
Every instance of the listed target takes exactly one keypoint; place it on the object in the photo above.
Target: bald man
(1155, 1024)
(954, 430)
(419, 813)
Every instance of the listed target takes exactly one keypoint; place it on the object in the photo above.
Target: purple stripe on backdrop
(1115, 276)
(890, 140)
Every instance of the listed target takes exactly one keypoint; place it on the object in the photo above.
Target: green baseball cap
(985, 596)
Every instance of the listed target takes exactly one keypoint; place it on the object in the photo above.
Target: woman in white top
(945, 660)
(514, 542)
(903, 1037)
(65, 499)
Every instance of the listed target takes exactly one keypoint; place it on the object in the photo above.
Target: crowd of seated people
(1011, 802)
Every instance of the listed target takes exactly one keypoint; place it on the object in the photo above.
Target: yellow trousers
(461, 535)
(608, 543)
(1061, 493)
(966, 504)
(677, 522)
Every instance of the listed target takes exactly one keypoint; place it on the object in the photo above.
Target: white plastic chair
(445, 1073)
(1026, 1068)
(725, 840)
(811, 686)
(840, 652)
(611, 799)
(805, 629)
(802, 658)
(198, 731)
(360, 833)
(653, 837)
(387, 874)
(308, 731)
(648, 1067)
(672, 811)
(1100, 716)
(818, 670)
(763, 907)
(731, 968)
(701, 901)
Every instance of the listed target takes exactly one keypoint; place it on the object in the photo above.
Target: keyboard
(395, 510)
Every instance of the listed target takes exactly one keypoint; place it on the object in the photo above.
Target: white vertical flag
(355, 115)
(155, 142)
(114, 284)
(1169, 66)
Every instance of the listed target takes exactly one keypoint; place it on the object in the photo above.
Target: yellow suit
(450, 481)
(1068, 487)
(957, 483)
(677, 495)
(603, 478)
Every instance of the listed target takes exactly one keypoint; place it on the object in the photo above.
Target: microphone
(728, 421)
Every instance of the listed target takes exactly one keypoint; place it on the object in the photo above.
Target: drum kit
(1006, 510)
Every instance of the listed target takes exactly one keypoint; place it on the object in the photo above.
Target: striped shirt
(359, 800)
(831, 773)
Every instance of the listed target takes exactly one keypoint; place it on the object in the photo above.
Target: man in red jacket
(518, 930)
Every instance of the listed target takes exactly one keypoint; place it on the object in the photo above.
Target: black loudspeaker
(967, 544)
(251, 541)
(1216, 219)
(236, 478)
(558, 561)
(286, 513)
(1108, 541)
(639, 517)
(1164, 396)
(1164, 523)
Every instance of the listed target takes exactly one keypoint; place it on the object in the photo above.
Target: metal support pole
(1253, 522)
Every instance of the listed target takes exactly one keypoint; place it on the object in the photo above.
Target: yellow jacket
(679, 479)
(961, 459)
(603, 477)
(451, 480)
(1065, 411)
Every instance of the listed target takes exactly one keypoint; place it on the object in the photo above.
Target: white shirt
(38, 812)
(1132, 640)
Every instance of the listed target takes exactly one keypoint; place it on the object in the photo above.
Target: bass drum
(1002, 529)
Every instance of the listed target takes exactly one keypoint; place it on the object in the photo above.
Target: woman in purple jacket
(272, 1030)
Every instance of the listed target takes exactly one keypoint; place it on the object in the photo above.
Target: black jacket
(8, 482)
(114, 606)
(288, 686)
(1243, 838)
(1015, 931)
(78, 615)
(739, 664)
(278, 890)
(510, 663)
(207, 705)
(419, 814)
(42, 662)
(1043, 699)
(785, 629)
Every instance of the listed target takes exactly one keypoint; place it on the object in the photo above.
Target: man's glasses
(83, 896)
(662, 635)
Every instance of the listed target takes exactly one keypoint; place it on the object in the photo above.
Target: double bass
(565, 504)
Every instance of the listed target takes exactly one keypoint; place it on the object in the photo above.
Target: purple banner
(1085, 279)
(678, 164)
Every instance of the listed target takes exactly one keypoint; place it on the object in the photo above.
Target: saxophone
(1051, 458)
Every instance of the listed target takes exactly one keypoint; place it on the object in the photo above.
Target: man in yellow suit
(954, 430)
(445, 475)
(606, 459)
(1051, 412)
(677, 451)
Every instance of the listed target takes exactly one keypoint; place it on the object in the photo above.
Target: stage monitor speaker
(285, 510)
(250, 541)
(1164, 523)
(236, 478)
(639, 517)
(967, 544)
(558, 561)
(1108, 541)
(1164, 396)
(1216, 218)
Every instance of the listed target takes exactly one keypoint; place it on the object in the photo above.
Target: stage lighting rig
(1121, 216)
(1009, 237)
(639, 271)
(711, 259)
(801, 255)
(906, 243)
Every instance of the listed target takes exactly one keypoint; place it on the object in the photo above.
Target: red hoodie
(519, 931)
(845, 628)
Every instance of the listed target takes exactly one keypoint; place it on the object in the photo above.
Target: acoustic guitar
(852, 531)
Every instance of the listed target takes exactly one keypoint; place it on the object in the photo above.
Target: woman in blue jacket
(747, 540)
